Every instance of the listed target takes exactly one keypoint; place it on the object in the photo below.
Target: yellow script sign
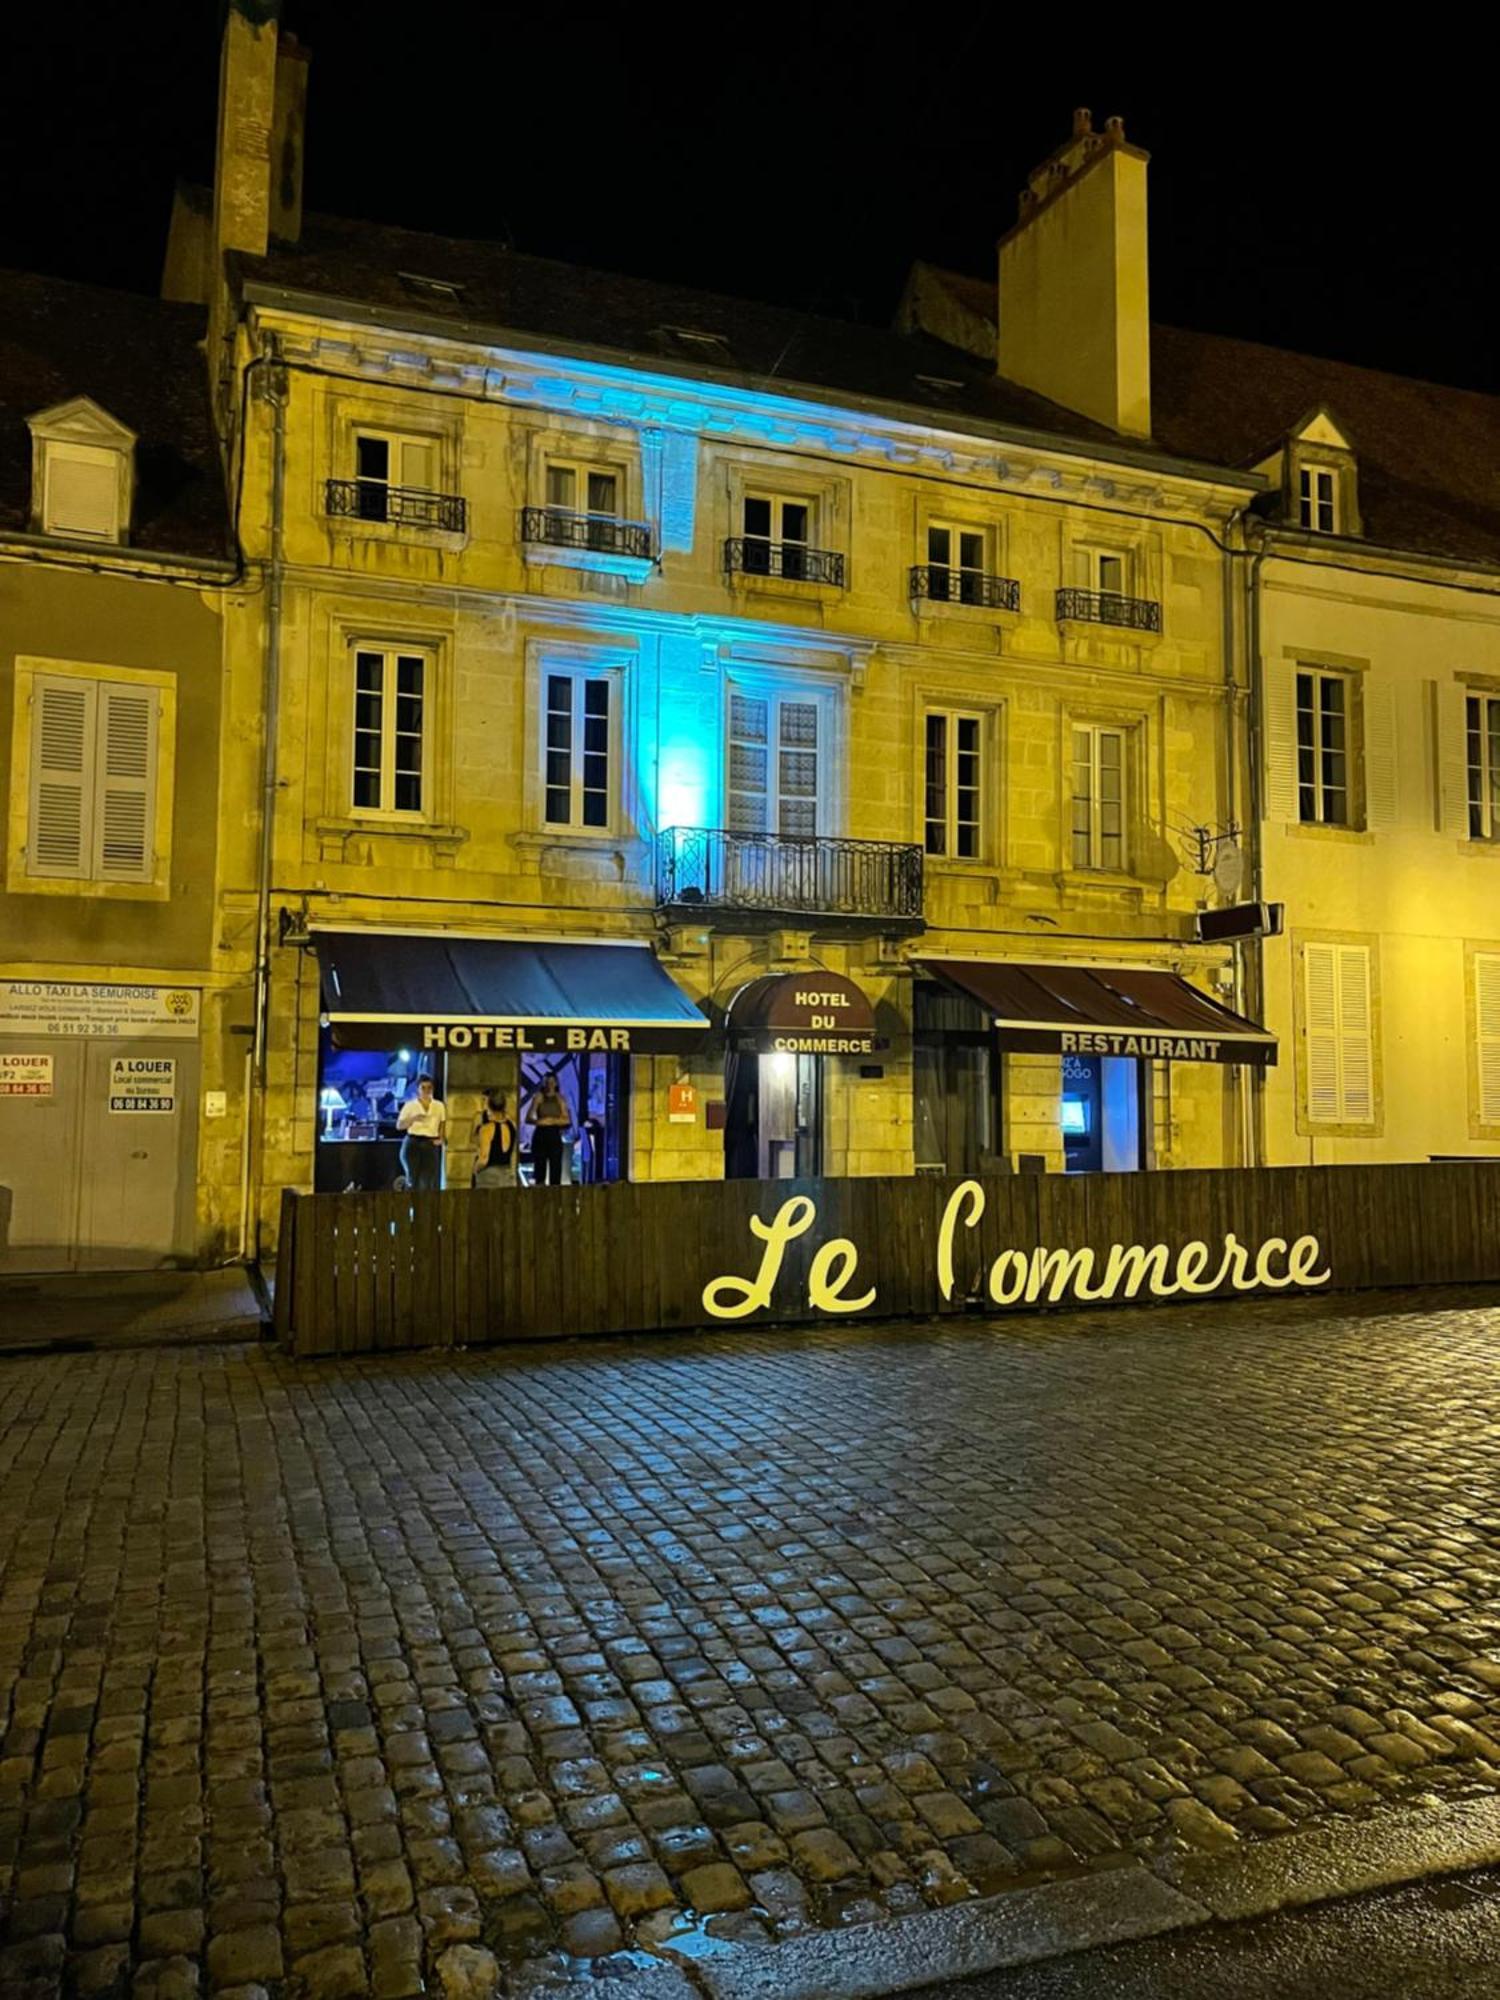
(1022, 1276)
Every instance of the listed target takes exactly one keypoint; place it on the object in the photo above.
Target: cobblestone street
(378, 1676)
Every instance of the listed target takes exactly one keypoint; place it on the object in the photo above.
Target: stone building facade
(877, 671)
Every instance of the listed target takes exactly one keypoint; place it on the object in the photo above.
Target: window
(955, 563)
(578, 750)
(1322, 749)
(1482, 741)
(93, 780)
(446, 290)
(390, 693)
(1108, 573)
(772, 524)
(589, 490)
(1098, 797)
(82, 492)
(952, 784)
(774, 754)
(1340, 1079)
(1487, 1034)
(381, 463)
(1315, 498)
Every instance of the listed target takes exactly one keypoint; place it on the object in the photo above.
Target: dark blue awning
(455, 992)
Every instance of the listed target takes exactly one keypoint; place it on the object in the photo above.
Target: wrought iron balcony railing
(749, 555)
(405, 506)
(708, 867)
(1105, 607)
(605, 534)
(941, 584)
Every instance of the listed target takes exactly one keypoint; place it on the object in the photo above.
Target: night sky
(802, 155)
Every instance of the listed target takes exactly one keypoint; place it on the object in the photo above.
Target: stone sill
(1353, 836)
(1117, 635)
(333, 833)
(635, 569)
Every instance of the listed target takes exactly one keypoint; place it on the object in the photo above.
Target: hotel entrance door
(773, 1128)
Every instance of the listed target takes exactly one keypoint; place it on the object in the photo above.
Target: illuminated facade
(575, 631)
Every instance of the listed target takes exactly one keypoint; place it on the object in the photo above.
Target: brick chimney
(1075, 322)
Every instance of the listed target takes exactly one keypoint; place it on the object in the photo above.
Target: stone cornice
(340, 339)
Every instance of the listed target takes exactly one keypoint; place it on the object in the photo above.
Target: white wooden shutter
(1487, 1034)
(1453, 759)
(1340, 1050)
(1356, 1055)
(1321, 1015)
(62, 756)
(1382, 799)
(417, 465)
(1279, 736)
(125, 783)
(82, 492)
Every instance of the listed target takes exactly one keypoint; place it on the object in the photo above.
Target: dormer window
(1317, 499)
(83, 473)
(1319, 477)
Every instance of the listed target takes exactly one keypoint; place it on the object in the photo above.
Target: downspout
(274, 391)
(1255, 997)
(1231, 795)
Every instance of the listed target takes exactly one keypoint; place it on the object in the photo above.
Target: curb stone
(1320, 1864)
(1057, 1919)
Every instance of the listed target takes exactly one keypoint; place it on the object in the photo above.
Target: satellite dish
(1229, 868)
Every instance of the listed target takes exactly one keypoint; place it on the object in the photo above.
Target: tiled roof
(141, 361)
(1428, 456)
(638, 318)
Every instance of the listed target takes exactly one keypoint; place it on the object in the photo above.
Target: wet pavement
(376, 1676)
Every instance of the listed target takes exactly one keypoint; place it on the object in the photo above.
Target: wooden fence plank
(286, 1264)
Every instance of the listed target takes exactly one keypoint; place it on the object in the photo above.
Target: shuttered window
(1487, 1034)
(773, 765)
(93, 780)
(81, 495)
(1340, 1078)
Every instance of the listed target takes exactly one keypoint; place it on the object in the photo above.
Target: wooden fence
(363, 1273)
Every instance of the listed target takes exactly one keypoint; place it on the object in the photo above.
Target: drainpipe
(1255, 1000)
(274, 391)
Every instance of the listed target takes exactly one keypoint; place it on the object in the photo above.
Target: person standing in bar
(421, 1123)
(495, 1156)
(549, 1119)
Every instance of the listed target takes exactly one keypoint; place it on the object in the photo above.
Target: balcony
(593, 534)
(873, 883)
(1104, 607)
(402, 506)
(790, 562)
(940, 584)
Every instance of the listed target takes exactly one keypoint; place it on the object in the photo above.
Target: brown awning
(802, 1013)
(1103, 1010)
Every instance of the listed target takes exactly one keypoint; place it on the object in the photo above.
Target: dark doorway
(956, 1078)
(773, 1129)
